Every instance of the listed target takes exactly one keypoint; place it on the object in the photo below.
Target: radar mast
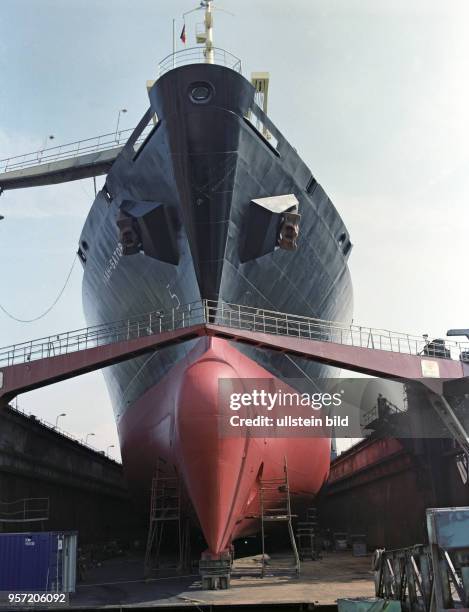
(205, 36)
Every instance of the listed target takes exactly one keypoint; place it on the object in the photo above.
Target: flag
(183, 34)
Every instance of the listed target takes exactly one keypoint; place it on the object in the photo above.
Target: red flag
(183, 34)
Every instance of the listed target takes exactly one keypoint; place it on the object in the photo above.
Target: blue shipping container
(41, 561)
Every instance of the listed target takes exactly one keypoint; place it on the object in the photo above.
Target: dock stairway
(276, 508)
(166, 508)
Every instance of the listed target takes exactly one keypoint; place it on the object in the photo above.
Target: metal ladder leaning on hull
(166, 507)
(277, 510)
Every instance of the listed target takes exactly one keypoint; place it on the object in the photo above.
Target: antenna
(208, 53)
(204, 34)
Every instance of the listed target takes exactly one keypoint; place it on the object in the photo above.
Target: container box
(364, 604)
(41, 561)
(359, 548)
(448, 527)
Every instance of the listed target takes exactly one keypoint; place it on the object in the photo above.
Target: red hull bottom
(177, 420)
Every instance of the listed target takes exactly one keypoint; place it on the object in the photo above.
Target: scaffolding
(275, 506)
(166, 507)
(306, 536)
(431, 578)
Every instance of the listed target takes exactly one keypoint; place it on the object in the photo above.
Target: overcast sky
(373, 94)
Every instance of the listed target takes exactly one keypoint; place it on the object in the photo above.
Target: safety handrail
(234, 316)
(24, 510)
(78, 148)
(196, 55)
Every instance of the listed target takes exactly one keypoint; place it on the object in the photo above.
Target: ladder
(306, 535)
(276, 508)
(450, 418)
(166, 508)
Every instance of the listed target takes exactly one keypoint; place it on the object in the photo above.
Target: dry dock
(84, 489)
(118, 583)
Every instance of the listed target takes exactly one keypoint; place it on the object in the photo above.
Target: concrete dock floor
(118, 583)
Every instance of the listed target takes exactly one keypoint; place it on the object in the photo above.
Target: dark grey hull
(200, 168)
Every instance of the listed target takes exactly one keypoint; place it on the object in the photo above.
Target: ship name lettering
(113, 262)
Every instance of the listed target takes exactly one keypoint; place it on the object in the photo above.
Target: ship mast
(208, 21)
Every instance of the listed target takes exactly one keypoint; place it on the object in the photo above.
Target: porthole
(342, 238)
(200, 93)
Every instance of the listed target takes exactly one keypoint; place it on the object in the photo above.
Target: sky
(373, 94)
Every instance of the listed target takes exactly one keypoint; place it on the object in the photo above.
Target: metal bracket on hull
(269, 223)
(150, 227)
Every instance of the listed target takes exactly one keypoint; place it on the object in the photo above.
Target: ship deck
(117, 583)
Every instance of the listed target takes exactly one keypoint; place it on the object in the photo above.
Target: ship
(214, 205)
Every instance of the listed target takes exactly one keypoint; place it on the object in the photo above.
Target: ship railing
(277, 323)
(25, 510)
(373, 415)
(97, 144)
(100, 335)
(195, 55)
(238, 317)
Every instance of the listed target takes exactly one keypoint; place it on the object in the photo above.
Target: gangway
(72, 161)
(376, 352)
